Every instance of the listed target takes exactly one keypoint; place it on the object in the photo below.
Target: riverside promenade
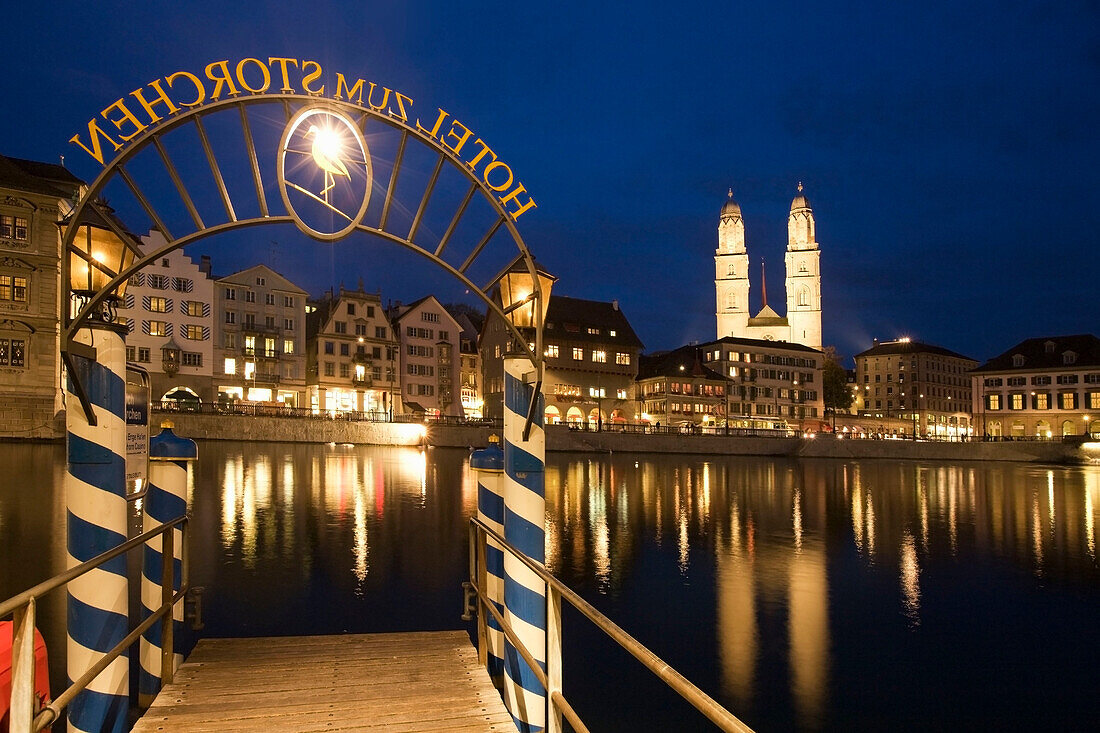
(563, 439)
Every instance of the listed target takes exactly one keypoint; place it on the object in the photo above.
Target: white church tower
(803, 275)
(731, 276)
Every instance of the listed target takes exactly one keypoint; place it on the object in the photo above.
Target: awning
(414, 406)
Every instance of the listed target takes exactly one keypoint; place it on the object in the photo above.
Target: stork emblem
(324, 172)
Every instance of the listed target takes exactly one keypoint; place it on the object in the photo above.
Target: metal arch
(361, 113)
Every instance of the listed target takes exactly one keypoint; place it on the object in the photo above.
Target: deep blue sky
(950, 150)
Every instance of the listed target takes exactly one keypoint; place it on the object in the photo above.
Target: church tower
(731, 272)
(803, 274)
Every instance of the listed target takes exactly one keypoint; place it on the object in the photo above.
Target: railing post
(167, 625)
(162, 574)
(95, 500)
(22, 669)
(525, 529)
(553, 658)
(483, 616)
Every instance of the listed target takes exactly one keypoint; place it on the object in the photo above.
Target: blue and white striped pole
(524, 528)
(488, 465)
(95, 502)
(169, 455)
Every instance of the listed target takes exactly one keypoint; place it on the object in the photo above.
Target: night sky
(949, 150)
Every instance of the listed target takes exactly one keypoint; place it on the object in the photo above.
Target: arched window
(1068, 428)
(804, 296)
(802, 266)
(731, 270)
(731, 301)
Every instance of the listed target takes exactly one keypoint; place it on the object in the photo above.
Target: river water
(802, 594)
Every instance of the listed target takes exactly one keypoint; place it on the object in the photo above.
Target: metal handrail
(22, 608)
(551, 680)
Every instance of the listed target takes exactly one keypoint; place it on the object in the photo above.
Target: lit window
(552, 350)
(193, 332)
(1017, 402)
(1094, 400)
(1068, 400)
(192, 359)
(599, 356)
(194, 309)
(250, 370)
(250, 345)
(578, 353)
(1042, 401)
(288, 346)
(157, 328)
(994, 401)
(620, 394)
(230, 366)
(269, 347)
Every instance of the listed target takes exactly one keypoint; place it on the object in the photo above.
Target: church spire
(763, 284)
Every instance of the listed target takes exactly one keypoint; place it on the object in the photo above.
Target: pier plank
(419, 681)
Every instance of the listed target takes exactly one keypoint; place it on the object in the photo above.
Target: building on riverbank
(1044, 387)
(591, 362)
(259, 342)
(770, 381)
(33, 198)
(351, 354)
(676, 389)
(429, 371)
(168, 309)
(925, 385)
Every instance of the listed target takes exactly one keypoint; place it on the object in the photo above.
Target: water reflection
(803, 594)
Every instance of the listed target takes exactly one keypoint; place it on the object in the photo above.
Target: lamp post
(525, 298)
(97, 253)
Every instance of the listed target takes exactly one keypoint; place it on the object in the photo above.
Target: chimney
(615, 304)
(874, 343)
(204, 265)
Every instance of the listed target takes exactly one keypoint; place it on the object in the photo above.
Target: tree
(835, 389)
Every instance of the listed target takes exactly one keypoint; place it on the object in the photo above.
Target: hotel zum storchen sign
(127, 118)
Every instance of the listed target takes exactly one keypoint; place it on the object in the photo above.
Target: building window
(288, 346)
(157, 328)
(620, 394)
(269, 347)
(340, 327)
(344, 349)
(192, 359)
(599, 356)
(261, 281)
(13, 288)
(1068, 400)
(13, 227)
(230, 294)
(230, 340)
(1094, 400)
(360, 329)
(330, 347)
(195, 333)
(1042, 401)
(622, 358)
(143, 354)
(12, 352)
(288, 324)
(330, 369)
(380, 332)
(250, 320)
(345, 371)
(194, 308)
(1016, 401)
(250, 345)
(230, 316)
(288, 302)
(158, 305)
(157, 282)
(269, 298)
(429, 317)
(250, 296)
(131, 353)
(578, 353)
(993, 402)
(552, 350)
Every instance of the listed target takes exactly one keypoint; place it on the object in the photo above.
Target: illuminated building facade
(802, 323)
(351, 354)
(469, 367)
(429, 370)
(674, 388)
(33, 197)
(168, 310)
(926, 385)
(1045, 387)
(591, 357)
(259, 345)
(772, 383)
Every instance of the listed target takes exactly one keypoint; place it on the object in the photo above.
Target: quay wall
(561, 438)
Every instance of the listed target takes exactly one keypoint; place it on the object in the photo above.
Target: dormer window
(1017, 360)
(1068, 357)
(1049, 346)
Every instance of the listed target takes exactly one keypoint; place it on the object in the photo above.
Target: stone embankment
(561, 438)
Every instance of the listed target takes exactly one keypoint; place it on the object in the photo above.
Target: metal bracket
(86, 352)
(469, 609)
(532, 408)
(192, 607)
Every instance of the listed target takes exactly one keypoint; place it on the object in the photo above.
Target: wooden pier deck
(423, 681)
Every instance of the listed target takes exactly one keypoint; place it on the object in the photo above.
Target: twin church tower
(802, 323)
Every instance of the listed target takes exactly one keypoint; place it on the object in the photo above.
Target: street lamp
(97, 254)
(520, 286)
